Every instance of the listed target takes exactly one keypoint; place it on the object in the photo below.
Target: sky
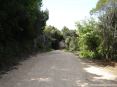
(67, 12)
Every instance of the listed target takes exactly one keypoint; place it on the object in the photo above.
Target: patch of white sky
(67, 12)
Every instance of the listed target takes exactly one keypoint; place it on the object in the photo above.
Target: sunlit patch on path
(103, 74)
(41, 79)
(81, 84)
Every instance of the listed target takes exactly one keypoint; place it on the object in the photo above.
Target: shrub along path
(57, 69)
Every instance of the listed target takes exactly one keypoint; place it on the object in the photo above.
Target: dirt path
(56, 69)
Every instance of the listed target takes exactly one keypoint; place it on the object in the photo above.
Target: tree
(102, 5)
(89, 39)
(21, 23)
(70, 38)
(107, 10)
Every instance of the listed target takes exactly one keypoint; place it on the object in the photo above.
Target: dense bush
(89, 39)
(107, 27)
(21, 24)
(70, 38)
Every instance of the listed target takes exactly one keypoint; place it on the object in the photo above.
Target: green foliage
(54, 36)
(87, 54)
(67, 41)
(102, 5)
(89, 39)
(107, 27)
(73, 45)
(65, 32)
(71, 39)
(107, 10)
(21, 24)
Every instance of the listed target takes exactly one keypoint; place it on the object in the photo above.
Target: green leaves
(21, 28)
(54, 36)
(89, 39)
(102, 5)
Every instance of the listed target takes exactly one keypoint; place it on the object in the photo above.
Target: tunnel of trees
(55, 44)
(23, 31)
(54, 35)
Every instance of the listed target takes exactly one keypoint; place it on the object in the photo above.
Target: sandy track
(54, 69)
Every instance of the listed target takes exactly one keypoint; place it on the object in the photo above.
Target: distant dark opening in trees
(55, 44)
